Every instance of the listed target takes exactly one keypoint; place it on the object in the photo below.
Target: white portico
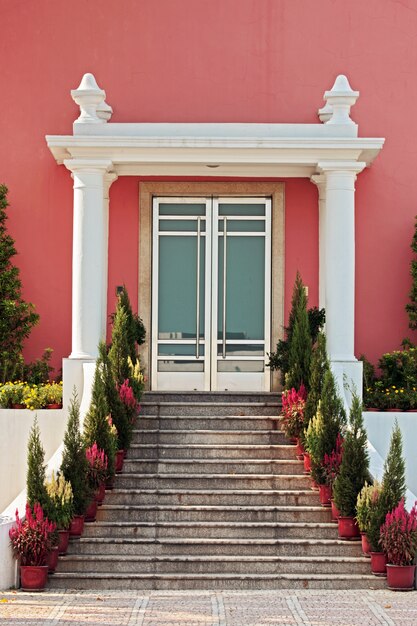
(330, 154)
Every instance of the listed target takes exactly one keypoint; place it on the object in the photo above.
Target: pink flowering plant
(398, 535)
(128, 397)
(293, 410)
(32, 538)
(97, 466)
(332, 462)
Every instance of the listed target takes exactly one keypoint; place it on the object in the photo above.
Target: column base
(74, 378)
(348, 376)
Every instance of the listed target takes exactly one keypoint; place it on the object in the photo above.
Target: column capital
(347, 167)
(109, 179)
(319, 180)
(102, 166)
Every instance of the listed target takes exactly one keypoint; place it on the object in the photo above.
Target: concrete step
(234, 397)
(208, 564)
(212, 481)
(188, 546)
(208, 422)
(75, 580)
(213, 466)
(207, 451)
(160, 513)
(209, 437)
(209, 409)
(221, 530)
(214, 497)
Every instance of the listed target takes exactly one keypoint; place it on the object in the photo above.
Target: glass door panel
(211, 293)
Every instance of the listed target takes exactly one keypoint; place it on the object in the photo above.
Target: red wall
(209, 60)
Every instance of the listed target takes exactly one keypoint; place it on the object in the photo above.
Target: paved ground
(205, 608)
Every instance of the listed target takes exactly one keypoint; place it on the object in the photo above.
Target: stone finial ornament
(91, 100)
(325, 113)
(340, 98)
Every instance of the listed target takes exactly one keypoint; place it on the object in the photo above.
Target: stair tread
(214, 524)
(208, 446)
(218, 558)
(215, 541)
(183, 575)
(196, 507)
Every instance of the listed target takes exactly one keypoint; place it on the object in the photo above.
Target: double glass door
(211, 293)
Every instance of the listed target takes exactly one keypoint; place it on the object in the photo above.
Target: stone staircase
(212, 497)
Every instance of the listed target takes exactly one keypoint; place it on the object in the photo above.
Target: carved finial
(104, 111)
(89, 97)
(339, 99)
(325, 113)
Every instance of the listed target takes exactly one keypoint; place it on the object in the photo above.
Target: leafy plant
(411, 307)
(398, 535)
(136, 379)
(74, 465)
(364, 504)
(375, 516)
(17, 317)
(97, 466)
(62, 501)
(31, 538)
(120, 349)
(332, 462)
(293, 406)
(354, 469)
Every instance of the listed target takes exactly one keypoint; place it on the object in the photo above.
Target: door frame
(147, 190)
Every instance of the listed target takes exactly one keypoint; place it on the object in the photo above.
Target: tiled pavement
(205, 608)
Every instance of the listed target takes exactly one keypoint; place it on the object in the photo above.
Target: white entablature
(329, 153)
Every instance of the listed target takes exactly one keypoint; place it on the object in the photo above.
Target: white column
(338, 231)
(108, 181)
(89, 261)
(320, 181)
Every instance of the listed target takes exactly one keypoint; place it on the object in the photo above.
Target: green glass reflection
(241, 209)
(182, 209)
(177, 349)
(256, 226)
(236, 350)
(173, 225)
(245, 288)
(240, 366)
(177, 287)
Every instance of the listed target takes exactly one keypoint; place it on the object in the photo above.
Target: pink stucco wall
(209, 60)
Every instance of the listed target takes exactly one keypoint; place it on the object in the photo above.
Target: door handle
(197, 343)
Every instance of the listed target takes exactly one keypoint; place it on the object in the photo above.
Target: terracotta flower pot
(33, 577)
(325, 492)
(378, 563)
(52, 560)
(366, 546)
(348, 528)
(120, 455)
(54, 405)
(373, 409)
(299, 450)
(307, 463)
(63, 542)
(91, 512)
(77, 526)
(400, 577)
(100, 493)
(335, 511)
(18, 406)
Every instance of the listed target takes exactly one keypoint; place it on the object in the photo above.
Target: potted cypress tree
(399, 542)
(354, 471)
(318, 368)
(392, 491)
(300, 345)
(97, 425)
(74, 468)
(364, 506)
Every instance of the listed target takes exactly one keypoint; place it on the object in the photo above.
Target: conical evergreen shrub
(318, 368)
(393, 481)
(74, 466)
(333, 419)
(97, 428)
(411, 307)
(300, 346)
(120, 349)
(354, 469)
(136, 332)
(116, 407)
(36, 476)
(393, 487)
